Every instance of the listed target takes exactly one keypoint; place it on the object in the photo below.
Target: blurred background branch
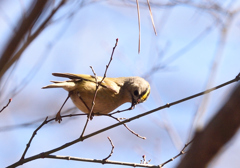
(222, 127)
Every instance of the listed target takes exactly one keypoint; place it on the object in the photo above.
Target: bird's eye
(136, 93)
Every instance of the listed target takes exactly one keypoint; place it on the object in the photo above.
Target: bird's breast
(105, 102)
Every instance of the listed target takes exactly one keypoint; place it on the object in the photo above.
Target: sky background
(72, 44)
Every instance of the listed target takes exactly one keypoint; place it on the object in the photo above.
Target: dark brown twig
(33, 135)
(142, 137)
(144, 161)
(120, 111)
(180, 153)
(125, 125)
(111, 150)
(107, 66)
(97, 87)
(93, 102)
(9, 101)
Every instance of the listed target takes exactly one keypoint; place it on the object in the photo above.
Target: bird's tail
(61, 84)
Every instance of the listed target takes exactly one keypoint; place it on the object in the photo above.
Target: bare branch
(144, 161)
(34, 12)
(111, 150)
(93, 102)
(107, 66)
(101, 161)
(180, 153)
(81, 138)
(9, 101)
(33, 135)
(151, 17)
(97, 87)
(125, 125)
(15, 55)
(139, 27)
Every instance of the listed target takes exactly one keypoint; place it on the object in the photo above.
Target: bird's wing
(75, 76)
(106, 83)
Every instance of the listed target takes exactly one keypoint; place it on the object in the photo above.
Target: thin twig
(150, 11)
(101, 161)
(9, 101)
(132, 131)
(120, 111)
(107, 66)
(93, 103)
(180, 52)
(180, 153)
(97, 87)
(111, 150)
(144, 161)
(33, 135)
(139, 27)
(118, 119)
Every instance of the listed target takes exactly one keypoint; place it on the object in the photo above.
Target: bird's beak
(134, 103)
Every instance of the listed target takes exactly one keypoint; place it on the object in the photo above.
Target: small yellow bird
(112, 92)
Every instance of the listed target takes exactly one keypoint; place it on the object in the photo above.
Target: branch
(47, 153)
(150, 11)
(33, 135)
(144, 161)
(93, 102)
(125, 125)
(30, 38)
(101, 161)
(139, 27)
(97, 87)
(111, 150)
(9, 101)
(35, 10)
(107, 66)
(120, 111)
(180, 153)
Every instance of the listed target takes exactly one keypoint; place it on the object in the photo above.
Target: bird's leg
(58, 115)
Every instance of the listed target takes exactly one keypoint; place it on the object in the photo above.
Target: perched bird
(112, 92)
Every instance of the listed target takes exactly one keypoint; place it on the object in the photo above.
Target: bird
(111, 93)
